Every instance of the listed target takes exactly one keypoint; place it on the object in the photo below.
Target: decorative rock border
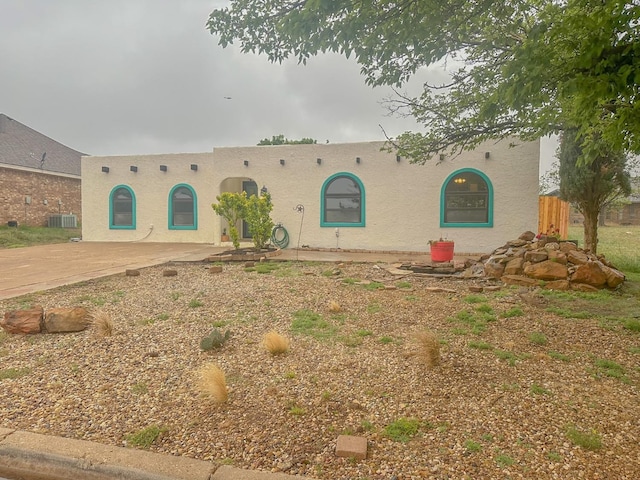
(244, 256)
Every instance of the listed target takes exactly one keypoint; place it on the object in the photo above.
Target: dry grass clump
(102, 324)
(428, 349)
(275, 343)
(212, 383)
(334, 307)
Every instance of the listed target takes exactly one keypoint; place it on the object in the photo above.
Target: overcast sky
(145, 76)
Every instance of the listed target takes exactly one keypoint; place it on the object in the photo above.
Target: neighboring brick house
(39, 177)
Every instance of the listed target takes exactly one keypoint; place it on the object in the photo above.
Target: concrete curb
(31, 456)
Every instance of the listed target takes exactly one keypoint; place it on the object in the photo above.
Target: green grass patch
(503, 460)
(24, 236)
(587, 440)
(512, 312)
(403, 284)
(609, 368)
(475, 299)
(633, 325)
(364, 333)
(508, 356)
(140, 388)
(195, 303)
(402, 430)
(13, 373)
(476, 322)
(373, 286)
(307, 322)
(480, 345)
(538, 338)
(385, 340)
(471, 446)
(559, 356)
(374, 307)
(554, 457)
(536, 389)
(350, 281)
(146, 437)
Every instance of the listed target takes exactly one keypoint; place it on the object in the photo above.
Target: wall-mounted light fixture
(459, 180)
(133, 168)
(357, 159)
(264, 190)
(163, 168)
(318, 161)
(282, 161)
(487, 154)
(441, 157)
(105, 169)
(194, 167)
(398, 158)
(246, 163)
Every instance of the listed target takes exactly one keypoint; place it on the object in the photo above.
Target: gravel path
(502, 404)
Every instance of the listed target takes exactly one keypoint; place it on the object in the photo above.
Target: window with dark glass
(122, 208)
(342, 201)
(182, 207)
(466, 199)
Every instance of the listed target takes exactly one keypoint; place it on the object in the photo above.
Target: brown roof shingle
(24, 147)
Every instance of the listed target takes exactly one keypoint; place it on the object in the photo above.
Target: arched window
(183, 208)
(342, 201)
(466, 200)
(122, 208)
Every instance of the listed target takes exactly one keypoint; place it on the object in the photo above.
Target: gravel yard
(520, 392)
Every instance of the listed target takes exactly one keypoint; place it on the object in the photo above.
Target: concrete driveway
(24, 270)
(31, 269)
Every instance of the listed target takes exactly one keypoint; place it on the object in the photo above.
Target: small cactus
(214, 340)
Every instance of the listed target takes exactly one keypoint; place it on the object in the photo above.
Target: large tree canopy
(518, 67)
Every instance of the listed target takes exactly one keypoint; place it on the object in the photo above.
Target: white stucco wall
(402, 200)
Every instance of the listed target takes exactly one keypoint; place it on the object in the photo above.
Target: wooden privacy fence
(553, 216)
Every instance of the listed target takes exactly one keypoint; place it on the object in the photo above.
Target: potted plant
(224, 237)
(441, 250)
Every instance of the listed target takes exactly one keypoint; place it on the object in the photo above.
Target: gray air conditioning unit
(63, 221)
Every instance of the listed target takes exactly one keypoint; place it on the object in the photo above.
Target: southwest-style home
(347, 196)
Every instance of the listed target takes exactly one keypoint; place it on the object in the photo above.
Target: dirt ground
(530, 384)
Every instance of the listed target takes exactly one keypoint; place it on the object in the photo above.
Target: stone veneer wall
(17, 184)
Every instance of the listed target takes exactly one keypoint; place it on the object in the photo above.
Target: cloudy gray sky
(145, 76)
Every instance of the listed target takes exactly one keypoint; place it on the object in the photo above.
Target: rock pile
(549, 262)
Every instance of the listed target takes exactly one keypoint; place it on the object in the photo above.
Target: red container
(442, 251)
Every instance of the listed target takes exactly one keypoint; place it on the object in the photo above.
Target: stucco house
(39, 177)
(347, 196)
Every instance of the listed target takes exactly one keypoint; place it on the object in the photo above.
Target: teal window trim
(326, 183)
(112, 226)
(195, 208)
(488, 223)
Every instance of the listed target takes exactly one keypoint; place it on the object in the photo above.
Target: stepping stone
(351, 447)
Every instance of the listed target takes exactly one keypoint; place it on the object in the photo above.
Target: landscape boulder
(23, 321)
(63, 320)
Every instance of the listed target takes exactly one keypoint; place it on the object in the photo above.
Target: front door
(251, 188)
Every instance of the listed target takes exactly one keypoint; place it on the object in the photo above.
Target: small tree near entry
(591, 187)
(231, 207)
(257, 215)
